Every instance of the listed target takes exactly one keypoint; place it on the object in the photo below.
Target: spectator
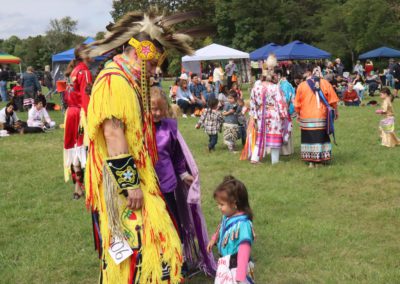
(184, 98)
(235, 88)
(4, 78)
(358, 68)
(18, 96)
(197, 90)
(38, 116)
(350, 97)
(339, 67)
(389, 74)
(31, 86)
(223, 97)
(372, 80)
(48, 81)
(369, 67)
(230, 70)
(359, 87)
(173, 90)
(396, 75)
(209, 91)
(218, 76)
(9, 119)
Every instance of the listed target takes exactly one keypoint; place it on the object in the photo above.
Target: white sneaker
(193, 115)
(184, 115)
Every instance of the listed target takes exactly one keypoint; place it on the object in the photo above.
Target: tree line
(344, 28)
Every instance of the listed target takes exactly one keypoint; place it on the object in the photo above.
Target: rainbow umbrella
(9, 59)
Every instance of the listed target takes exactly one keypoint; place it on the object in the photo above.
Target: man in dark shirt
(4, 77)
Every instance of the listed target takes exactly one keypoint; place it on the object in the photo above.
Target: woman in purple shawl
(179, 183)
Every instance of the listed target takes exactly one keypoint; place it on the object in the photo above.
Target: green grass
(336, 224)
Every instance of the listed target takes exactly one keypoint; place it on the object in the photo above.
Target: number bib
(119, 250)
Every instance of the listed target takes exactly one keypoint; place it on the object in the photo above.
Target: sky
(25, 18)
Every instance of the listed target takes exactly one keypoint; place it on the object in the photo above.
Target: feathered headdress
(157, 27)
(272, 62)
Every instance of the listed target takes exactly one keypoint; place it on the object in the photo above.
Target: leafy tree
(60, 34)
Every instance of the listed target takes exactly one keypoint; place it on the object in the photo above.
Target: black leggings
(173, 209)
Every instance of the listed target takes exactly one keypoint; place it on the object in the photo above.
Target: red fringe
(133, 267)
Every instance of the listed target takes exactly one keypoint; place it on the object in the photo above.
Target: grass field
(336, 224)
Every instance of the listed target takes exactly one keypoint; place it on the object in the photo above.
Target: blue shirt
(183, 94)
(234, 231)
(197, 89)
(233, 117)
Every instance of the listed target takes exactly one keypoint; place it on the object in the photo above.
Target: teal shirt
(233, 232)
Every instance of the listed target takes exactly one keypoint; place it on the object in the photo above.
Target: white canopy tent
(216, 52)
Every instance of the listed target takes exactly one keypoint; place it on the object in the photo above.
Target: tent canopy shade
(380, 52)
(298, 50)
(68, 55)
(215, 52)
(9, 59)
(263, 52)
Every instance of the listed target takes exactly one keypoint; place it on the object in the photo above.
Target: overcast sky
(25, 18)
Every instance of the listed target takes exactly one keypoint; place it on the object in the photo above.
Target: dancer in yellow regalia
(136, 239)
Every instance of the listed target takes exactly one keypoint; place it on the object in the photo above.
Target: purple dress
(175, 159)
(171, 162)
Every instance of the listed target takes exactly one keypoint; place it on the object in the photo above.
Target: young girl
(386, 125)
(179, 183)
(235, 233)
(211, 120)
(231, 123)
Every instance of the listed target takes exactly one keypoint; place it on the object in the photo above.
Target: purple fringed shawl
(191, 217)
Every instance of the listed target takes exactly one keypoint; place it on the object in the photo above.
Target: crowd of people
(125, 154)
(308, 92)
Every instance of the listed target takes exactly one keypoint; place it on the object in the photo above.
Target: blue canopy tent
(380, 52)
(61, 60)
(298, 50)
(263, 52)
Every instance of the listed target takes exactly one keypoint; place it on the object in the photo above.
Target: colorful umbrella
(9, 59)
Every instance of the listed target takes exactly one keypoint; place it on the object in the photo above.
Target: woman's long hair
(72, 64)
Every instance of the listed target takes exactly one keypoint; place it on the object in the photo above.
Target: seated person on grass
(9, 119)
(38, 116)
(350, 97)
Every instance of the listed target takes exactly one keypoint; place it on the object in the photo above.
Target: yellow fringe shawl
(113, 96)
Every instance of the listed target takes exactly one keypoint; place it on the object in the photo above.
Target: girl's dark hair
(387, 91)
(212, 102)
(236, 193)
(74, 62)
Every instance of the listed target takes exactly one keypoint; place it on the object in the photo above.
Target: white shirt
(3, 117)
(37, 117)
(217, 74)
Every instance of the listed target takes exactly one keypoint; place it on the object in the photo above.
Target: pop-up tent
(263, 52)
(10, 59)
(216, 52)
(298, 50)
(60, 60)
(380, 52)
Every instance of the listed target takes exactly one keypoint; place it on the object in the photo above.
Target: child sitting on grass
(211, 119)
(235, 233)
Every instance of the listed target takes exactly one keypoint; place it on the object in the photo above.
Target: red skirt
(72, 137)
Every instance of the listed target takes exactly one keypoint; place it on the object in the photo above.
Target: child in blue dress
(235, 234)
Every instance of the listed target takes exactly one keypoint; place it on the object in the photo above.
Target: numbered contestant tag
(119, 250)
